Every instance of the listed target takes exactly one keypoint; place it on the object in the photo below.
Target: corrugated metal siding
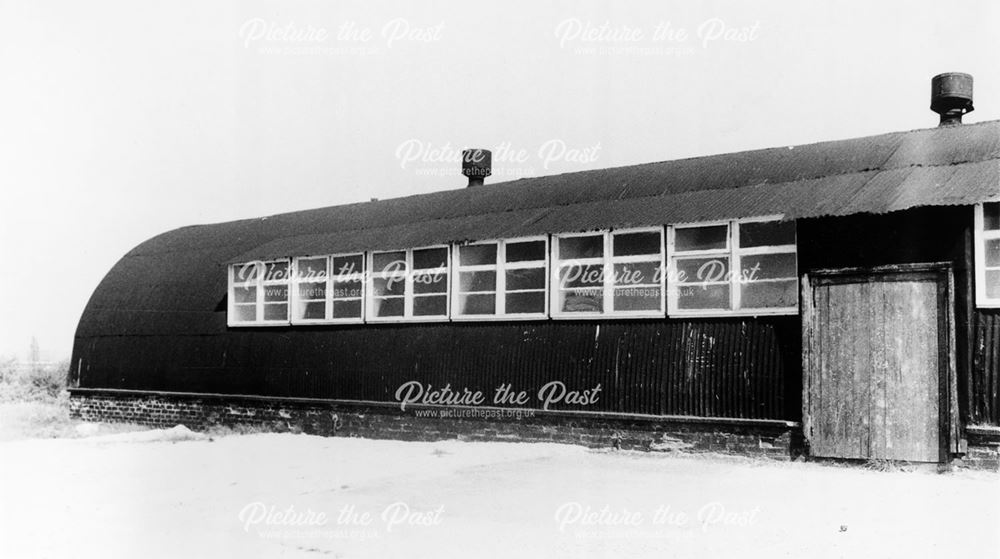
(986, 368)
(712, 368)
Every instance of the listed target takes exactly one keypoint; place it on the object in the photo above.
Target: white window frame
(331, 277)
(359, 276)
(735, 254)
(612, 260)
(607, 262)
(408, 294)
(501, 267)
(980, 236)
(295, 296)
(261, 285)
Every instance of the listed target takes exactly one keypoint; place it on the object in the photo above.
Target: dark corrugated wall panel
(986, 368)
(710, 368)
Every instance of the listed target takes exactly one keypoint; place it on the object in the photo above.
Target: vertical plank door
(873, 367)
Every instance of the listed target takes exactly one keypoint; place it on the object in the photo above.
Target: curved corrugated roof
(178, 277)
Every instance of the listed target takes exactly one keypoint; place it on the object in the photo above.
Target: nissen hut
(835, 300)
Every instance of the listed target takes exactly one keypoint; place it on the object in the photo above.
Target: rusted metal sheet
(711, 368)
(879, 364)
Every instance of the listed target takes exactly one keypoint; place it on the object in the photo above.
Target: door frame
(941, 272)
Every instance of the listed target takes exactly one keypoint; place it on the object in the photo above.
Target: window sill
(740, 313)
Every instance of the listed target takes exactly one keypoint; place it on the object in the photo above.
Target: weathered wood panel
(874, 366)
(908, 386)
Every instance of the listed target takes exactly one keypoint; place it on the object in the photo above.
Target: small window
(616, 273)
(388, 285)
(987, 249)
(579, 275)
(524, 279)
(430, 282)
(736, 267)
(476, 277)
(259, 293)
(501, 279)
(309, 298)
(409, 284)
(347, 290)
(637, 272)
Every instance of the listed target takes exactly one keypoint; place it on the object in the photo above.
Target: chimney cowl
(477, 164)
(951, 96)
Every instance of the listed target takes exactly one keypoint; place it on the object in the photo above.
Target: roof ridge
(874, 172)
(525, 182)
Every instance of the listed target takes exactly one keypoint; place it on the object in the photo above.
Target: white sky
(120, 120)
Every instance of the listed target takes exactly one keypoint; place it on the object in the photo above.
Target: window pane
(767, 266)
(477, 255)
(582, 300)
(767, 233)
(347, 309)
(276, 271)
(245, 313)
(521, 303)
(703, 297)
(276, 293)
(526, 278)
(636, 273)
(388, 261)
(580, 275)
(636, 243)
(388, 286)
(477, 281)
(696, 270)
(389, 307)
(346, 289)
(993, 252)
(526, 251)
(245, 295)
(346, 265)
(591, 246)
(701, 238)
(761, 295)
(993, 284)
(245, 272)
(430, 258)
(637, 299)
(311, 311)
(434, 305)
(276, 312)
(991, 216)
(430, 282)
(310, 290)
(477, 304)
(311, 269)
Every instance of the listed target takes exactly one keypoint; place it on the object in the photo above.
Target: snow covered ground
(180, 494)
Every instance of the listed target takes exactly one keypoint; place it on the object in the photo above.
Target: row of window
(729, 267)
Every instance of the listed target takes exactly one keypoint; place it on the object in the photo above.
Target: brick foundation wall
(984, 448)
(772, 439)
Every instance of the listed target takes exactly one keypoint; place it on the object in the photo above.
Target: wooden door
(876, 364)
